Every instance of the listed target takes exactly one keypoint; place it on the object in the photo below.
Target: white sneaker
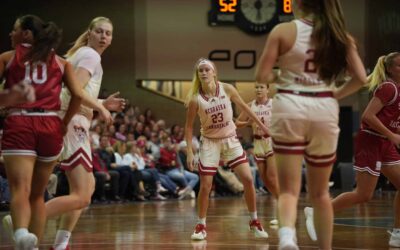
(26, 242)
(309, 213)
(259, 232)
(8, 226)
(394, 239)
(199, 232)
(287, 239)
(274, 222)
(287, 243)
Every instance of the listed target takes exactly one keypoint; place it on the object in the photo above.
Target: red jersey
(389, 115)
(46, 78)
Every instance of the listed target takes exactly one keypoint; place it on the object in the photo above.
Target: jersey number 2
(36, 77)
(309, 64)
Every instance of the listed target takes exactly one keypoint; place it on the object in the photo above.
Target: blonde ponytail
(84, 37)
(380, 72)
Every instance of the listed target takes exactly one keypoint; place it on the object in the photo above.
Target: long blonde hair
(380, 72)
(196, 83)
(83, 38)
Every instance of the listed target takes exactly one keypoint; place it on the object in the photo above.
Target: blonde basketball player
(211, 100)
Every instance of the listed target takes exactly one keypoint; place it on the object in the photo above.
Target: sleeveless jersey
(45, 77)
(298, 71)
(216, 114)
(389, 115)
(90, 60)
(263, 112)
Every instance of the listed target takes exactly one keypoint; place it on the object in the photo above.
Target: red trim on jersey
(308, 22)
(259, 137)
(320, 160)
(216, 92)
(290, 144)
(262, 158)
(316, 157)
(78, 158)
(210, 170)
(261, 104)
(237, 161)
(306, 93)
(320, 164)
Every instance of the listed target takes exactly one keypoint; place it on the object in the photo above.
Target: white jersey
(216, 114)
(298, 72)
(87, 58)
(263, 112)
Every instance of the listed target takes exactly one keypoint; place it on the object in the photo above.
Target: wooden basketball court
(169, 224)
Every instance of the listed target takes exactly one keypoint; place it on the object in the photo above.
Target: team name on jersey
(307, 81)
(395, 124)
(214, 109)
(262, 113)
(220, 125)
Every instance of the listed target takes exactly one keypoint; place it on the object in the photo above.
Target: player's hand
(190, 161)
(22, 92)
(114, 103)
(106, 116)
(265, 130)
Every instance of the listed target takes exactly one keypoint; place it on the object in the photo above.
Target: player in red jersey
(211, 100)
(33, 132)
(376, 142)
(311, 51)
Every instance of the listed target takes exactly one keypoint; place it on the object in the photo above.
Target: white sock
(20, 232)
(62, 239)
(253, 215)
(201, 221)
(286, 232)
(396, 230)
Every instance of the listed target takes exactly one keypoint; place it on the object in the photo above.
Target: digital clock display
(252, 16)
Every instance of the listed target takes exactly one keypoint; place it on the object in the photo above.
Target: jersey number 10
(33, 70)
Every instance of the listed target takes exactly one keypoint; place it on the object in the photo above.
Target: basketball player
(211, 99)
(263, 152)
(33, 133)
(85, 56)
(311, 51)
(375, 146)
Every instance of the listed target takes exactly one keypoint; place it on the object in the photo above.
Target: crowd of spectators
(140, 158)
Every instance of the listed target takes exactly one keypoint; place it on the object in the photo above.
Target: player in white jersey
(211, 100)
(311, 51)
(85, 56)
(263, 152)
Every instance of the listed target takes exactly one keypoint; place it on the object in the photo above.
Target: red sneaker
(258, 230)
(199, 232)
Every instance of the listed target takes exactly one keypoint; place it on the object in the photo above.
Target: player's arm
(83, 76)
(269, 56)
(357, 71)
(190, 117)
(369, 117)
(243, 119)
(235, 97)
(76, 93)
